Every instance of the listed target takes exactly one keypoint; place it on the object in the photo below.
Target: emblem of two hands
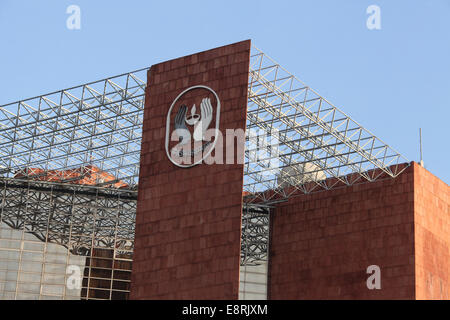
(200, 122)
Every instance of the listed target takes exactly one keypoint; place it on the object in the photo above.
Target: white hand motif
(206, 117)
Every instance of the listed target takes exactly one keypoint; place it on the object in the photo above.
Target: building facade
(217, 175)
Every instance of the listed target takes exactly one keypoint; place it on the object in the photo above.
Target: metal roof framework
(310, 145)
(313, 144)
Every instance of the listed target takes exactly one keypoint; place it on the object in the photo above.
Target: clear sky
(392, 81)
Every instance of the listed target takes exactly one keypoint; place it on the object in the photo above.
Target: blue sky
(392, 80)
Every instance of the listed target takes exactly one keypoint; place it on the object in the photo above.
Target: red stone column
(188, 223)
(432, 235)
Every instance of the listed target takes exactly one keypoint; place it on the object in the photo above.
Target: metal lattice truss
(96, 125)
(298, 140)
(69, 164)
(77, 217)
(69, 160)
(255, 234)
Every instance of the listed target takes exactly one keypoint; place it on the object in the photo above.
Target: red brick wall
(188, 224)
(432, 234)
(322, 244)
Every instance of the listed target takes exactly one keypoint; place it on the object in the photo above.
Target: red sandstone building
(347, 203)
(219, 176)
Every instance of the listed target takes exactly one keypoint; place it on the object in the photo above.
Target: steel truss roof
(313, 139)
(51, 144)
(99, 125)
(75, 216)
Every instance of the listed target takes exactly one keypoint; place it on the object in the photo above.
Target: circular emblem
(192, 126)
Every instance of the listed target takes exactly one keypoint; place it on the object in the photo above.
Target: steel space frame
(314, 146)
